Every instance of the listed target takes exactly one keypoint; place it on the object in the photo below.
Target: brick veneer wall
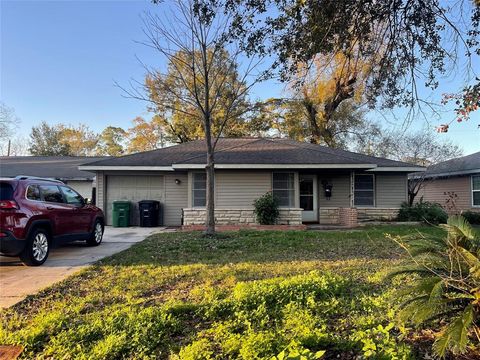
(331, 216)
(347, 217)
(328, 216)
(195, 216)
(367, 214)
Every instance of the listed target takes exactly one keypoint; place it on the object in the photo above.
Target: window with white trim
(364, 190)
(199, 189)
(476, 190)
(283, 188)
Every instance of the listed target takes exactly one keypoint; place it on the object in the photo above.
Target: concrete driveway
(17, 281)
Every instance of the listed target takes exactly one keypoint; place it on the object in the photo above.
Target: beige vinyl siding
(340, 191)
(176, 198)
(435, 191)
(239, 189)
(390, 190)
(100, 196)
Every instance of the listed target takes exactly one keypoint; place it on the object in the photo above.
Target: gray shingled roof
(59, 167)
(462, 165)
(248, 151)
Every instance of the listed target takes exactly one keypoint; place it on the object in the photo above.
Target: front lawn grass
(246, 294)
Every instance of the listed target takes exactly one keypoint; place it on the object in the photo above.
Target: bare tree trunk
(414, 187)
(210, 201)
(312, 119)
(210, 170)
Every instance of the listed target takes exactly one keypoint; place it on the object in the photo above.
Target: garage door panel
(144, 182)
(134, 189)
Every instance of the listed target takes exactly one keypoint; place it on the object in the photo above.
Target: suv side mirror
(88, 201)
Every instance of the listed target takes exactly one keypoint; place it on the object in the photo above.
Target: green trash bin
(121, 213)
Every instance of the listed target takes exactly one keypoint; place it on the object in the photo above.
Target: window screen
(476, 190)
(199, 189)
(284, 189)
(364, 194)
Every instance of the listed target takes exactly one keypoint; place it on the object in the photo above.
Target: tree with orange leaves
(145, 135)
(327, 99)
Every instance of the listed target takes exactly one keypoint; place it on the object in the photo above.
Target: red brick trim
(348, 217)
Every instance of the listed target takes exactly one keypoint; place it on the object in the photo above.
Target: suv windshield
(6, 191)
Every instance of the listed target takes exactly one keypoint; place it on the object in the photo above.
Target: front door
(309, 198)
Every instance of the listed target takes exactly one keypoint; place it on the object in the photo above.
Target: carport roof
(58, 167)
(249, 153)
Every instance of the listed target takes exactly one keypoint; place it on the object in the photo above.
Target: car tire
(37, 248)
(96, 236)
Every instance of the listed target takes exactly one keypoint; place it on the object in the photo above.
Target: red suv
(37, 213)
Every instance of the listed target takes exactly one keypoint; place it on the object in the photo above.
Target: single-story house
(313, 183)
(64, 168)
(456, 178)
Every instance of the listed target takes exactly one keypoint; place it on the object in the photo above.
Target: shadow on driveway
(17, 281)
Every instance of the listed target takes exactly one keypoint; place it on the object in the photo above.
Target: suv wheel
(97, 234)
(37, 248)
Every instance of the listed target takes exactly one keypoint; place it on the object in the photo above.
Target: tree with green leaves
(111, 141)
(405, 42)
(46, 140)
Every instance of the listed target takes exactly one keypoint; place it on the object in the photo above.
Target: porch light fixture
(178, 181)
(327, 187)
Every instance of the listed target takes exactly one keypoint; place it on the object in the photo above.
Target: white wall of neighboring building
(83, 187)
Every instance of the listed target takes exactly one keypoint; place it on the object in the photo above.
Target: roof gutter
(128, 168)
(397, 169)
(446, 174)
(276, 166)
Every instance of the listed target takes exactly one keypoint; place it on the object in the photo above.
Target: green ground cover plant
(241, 295)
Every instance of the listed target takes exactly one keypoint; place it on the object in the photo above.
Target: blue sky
(60, 60)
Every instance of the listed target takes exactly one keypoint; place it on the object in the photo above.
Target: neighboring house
(457, 179)
(299, 174)
(64, 168)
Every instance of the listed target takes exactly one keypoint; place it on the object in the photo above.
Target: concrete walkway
(17, 281)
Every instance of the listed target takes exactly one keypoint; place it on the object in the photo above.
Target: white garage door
(133, 188)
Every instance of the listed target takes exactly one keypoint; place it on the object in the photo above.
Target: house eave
(276, 166)
(447, 174)
(76, 178)
(398, 169)
(127, 168)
